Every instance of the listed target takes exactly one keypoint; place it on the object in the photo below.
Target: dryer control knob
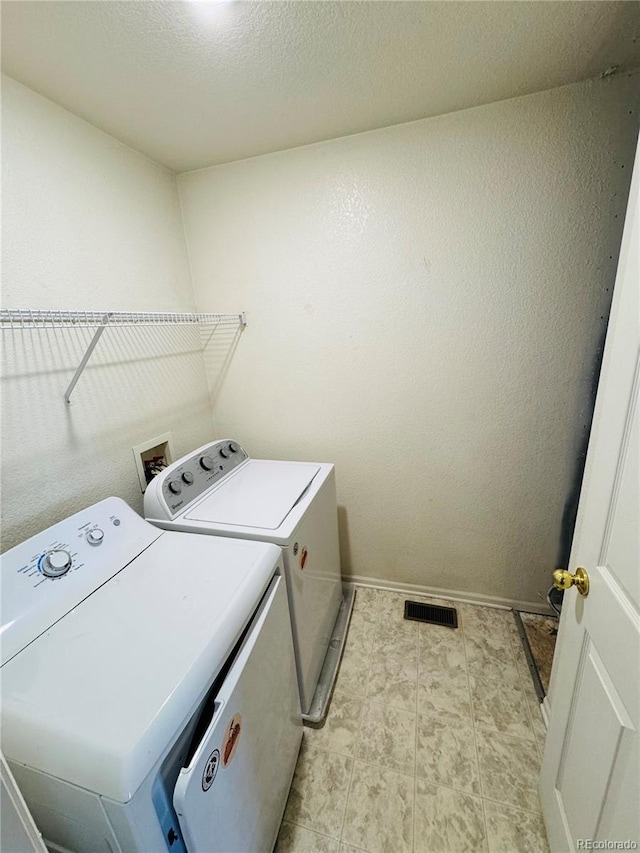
(233, 447)
(187, 478)
(224, 452)
(206, 462)
(95, 536)
(56, 564)
(174, 487)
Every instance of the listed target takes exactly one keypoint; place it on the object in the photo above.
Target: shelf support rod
(85, 358)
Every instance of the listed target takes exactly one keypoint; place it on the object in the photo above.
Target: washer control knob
(187, 478)
(174, 487)
(224, 452)
(95, 536)
(233, 447)
(56, 564)
(206, 462)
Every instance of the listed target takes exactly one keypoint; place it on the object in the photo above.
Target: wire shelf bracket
(17, 318)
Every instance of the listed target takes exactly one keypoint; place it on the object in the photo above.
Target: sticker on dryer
(231, 738)
(210, 769)
(303, 557)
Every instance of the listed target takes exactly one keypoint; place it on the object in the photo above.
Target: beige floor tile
(391, 611)
(501, 707)
(521, 660)
(389, 638)
(296, 839)
(437, 638)
(379, 815)
(318, 792)
(491, 659)
(523, 669)
(393, 679)
(406, 700)
(488, 622)
(360, 634)
(472, 614)
(509, 769)
(539, 727)
(510, 830)
(494, 671)
(541, 735)
(513, 629)
(526, 680)
(443, 657)
(447, 821)
(340, 730)
(387, 737)
(353, 675)
(446, 754)
(444, 693)
(391, 607)
(485, 647)
(533, 703)
(366, 603)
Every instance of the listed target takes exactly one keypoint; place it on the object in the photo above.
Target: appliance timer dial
(56, 564)
(95, 536)
(206, 462)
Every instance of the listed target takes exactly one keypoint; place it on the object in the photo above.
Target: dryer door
(232, 794)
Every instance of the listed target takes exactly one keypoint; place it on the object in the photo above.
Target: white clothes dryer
(149, 693)
(219, 490)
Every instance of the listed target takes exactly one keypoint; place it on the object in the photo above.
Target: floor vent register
(433, 614)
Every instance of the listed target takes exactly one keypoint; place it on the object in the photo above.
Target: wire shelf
(20, 318)
(15, 318)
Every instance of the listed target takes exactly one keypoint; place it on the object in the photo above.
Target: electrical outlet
(151, 457)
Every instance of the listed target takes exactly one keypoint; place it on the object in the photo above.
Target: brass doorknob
(562, 579)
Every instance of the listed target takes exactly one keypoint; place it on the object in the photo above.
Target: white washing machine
(149, 694)
(219, 490)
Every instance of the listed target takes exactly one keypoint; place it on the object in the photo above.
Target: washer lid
(260, 494)
(99, 697)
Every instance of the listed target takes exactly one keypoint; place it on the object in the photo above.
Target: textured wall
(88, 224)
(426, 304)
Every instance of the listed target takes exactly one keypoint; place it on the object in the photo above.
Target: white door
(589, 785)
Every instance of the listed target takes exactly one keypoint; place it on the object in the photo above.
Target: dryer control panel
(52, 572)
(185, 480)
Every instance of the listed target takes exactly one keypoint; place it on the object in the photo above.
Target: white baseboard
(452, 594)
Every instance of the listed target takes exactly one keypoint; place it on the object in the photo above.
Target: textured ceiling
(193, 84)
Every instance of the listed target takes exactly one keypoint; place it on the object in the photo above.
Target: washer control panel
(49, 574)
(185, 480)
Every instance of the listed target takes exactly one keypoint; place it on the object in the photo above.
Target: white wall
(425, 308)
(88, 224)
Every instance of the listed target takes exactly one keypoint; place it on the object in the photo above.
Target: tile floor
(432, 742)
